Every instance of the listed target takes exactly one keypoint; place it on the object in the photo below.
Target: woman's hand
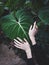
(32, 33)
(24, 45)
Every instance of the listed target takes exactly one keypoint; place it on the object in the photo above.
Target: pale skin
(32, 33)
(24, 44)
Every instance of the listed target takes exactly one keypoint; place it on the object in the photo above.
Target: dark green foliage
(13, 5)
(21, 14)
(1, 8)
(44, 15)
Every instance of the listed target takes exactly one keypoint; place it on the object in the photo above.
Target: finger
(25, 40)
(36, 27)
(19, 39)
(30, 27)
(16, 44)
(34, 24)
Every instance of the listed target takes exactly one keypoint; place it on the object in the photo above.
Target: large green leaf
(44, 15)
(17, 24)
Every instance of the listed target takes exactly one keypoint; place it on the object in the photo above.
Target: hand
(24, 45)
(32, 32)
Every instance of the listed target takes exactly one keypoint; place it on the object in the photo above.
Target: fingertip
(24, 39)
(17, 37)
(30, 27)
(35, 23)
(14, 39)
(36, 27)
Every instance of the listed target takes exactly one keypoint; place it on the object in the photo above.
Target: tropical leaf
(16, 25)
(44, 15)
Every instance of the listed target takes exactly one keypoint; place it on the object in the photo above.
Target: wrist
(32, 37)
(29, 54)
(33, 40)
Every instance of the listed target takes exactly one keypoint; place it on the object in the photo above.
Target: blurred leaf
(44, 15)
(1, 8)
(36, 5)
(14, 4)
(45, 1)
